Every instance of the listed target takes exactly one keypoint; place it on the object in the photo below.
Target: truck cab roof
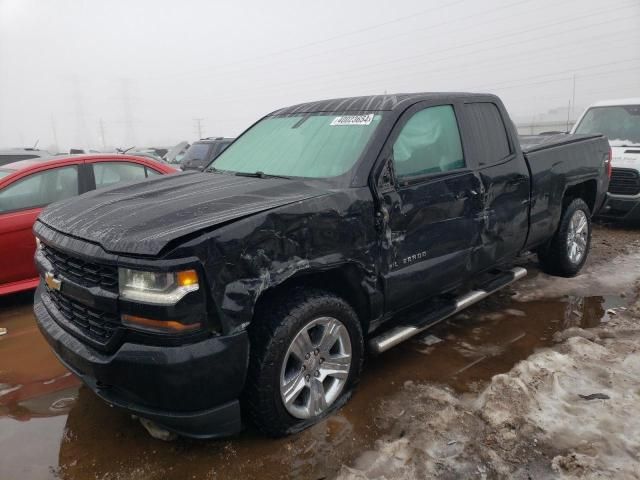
(617, 102)
(389, 102)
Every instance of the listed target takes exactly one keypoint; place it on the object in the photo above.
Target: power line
(341, 49)
(524, 56)
(440, 51)
(456, 47)
(343, 35)
(570, 70)
(553, 80)
(406, 73)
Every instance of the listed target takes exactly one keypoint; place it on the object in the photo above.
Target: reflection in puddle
(103, 442)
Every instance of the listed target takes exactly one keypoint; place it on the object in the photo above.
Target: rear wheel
(567, 251)
(306, 357)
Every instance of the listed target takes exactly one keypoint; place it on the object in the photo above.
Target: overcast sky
(141, 71)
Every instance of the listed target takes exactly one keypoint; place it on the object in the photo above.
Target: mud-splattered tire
(293, 360)
(566, 253)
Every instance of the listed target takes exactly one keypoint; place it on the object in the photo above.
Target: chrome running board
(399, 334)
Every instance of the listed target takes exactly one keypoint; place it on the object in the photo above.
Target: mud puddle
(73, 434)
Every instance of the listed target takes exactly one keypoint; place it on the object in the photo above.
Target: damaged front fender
(246, 258)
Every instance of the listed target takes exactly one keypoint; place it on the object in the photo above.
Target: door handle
(472, 193)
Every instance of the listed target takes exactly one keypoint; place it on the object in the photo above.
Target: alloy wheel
(577, 236)
(315, 368)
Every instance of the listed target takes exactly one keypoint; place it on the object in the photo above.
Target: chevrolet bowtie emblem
(52, 282)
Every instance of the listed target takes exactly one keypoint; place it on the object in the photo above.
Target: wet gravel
(52, 427)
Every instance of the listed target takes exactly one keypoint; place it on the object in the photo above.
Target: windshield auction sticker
(353, 120)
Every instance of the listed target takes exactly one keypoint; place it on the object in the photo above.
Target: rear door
(20, 204)
(505, 182)
(432, 210)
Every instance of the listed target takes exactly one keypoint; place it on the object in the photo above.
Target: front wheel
(567, 251)
(306, 357)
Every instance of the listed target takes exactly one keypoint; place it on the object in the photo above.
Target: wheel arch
(586, 190)
(348, 281)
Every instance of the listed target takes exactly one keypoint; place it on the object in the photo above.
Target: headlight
(160, 288)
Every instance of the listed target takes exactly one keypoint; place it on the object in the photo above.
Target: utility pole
(81, 137)
(104, 143)
(199, 126)
(573, 97)
(55, 133)
(129, 134)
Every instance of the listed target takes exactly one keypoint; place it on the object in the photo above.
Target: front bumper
(191, 389)
(620, 208)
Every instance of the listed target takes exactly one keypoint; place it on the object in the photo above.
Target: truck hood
(625, 157)
(142, 218)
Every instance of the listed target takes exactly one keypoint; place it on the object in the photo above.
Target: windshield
(10, 158)
(621, 123)
(197, 151)
(313, 145)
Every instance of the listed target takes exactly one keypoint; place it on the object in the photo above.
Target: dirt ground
(491, 393)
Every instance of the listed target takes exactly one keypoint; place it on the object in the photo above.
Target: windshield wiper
(260, 174)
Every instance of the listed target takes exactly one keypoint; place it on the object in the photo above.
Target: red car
(27, 186)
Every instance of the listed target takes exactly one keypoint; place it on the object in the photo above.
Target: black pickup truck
(326, 227)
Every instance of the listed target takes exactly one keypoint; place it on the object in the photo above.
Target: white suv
(620, 121)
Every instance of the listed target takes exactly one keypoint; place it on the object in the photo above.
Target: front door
(20, 204)
(432, 211)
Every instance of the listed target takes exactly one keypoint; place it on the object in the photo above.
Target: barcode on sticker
(353, 120)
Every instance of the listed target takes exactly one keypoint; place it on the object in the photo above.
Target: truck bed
(555, 163)
(535, 143)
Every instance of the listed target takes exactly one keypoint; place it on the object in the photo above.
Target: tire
(274, 360)
(557, 256)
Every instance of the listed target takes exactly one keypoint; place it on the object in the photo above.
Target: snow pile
(611, 278)
(572, 411)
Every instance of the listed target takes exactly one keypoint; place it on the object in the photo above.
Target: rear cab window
(489, 133)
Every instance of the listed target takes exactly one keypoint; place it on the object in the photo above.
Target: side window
(428, 143)
(151, 172)
(108, 173)
(489, 133)
(40, 189)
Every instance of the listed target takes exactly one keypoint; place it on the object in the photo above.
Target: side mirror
(385, 180)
